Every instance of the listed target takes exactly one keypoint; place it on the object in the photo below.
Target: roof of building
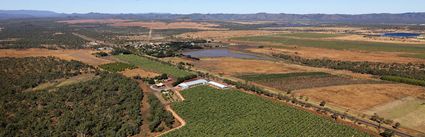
(217, 84)
(195, 82)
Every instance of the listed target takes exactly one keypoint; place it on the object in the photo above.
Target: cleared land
(233, 66)
(154, 66)
(139, 72)
(409, 111)
(212, 112)
(302, 80)
(361, 97)
(83, 55)
(236, 67)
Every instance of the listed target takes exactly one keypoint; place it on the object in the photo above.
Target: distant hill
(402, 18)
(11, 14)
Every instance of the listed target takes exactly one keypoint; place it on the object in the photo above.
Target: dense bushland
(17, 74)
(158, 115)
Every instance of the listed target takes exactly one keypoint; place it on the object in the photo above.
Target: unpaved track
(177, 117)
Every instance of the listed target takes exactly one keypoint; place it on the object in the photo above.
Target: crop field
(154, 66)
(117, 66)
(301, 80)
(213, 112)
(337, 44)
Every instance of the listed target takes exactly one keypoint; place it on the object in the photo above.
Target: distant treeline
(409, 70)
(36, 34)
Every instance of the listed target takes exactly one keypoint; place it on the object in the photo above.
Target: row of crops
(213, 112)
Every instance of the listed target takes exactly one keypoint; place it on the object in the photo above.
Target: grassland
(213, 112)
(154, 66)
(336, 44)
(301, 80)
(117, 66)
(310, 35)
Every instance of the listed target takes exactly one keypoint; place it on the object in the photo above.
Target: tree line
(403, 71)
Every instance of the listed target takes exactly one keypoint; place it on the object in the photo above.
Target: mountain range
(378, 18)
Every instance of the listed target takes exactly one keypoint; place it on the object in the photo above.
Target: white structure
(186, 85)
(218, 85)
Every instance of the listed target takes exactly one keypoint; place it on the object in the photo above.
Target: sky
(218, 6)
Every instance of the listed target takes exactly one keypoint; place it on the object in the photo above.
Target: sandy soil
(361, 96)
(93, 21)
(83, 55)
(140, 72)
(345, 55)
(173, 25)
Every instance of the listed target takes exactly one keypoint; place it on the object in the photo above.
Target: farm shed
(186, 85)
(218, 85)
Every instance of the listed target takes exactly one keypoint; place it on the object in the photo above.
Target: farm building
(186, 85)
(218, 85)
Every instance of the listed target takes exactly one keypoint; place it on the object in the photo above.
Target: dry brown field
(138, 72)
(83, 55)
(361, 97)
(222, 35)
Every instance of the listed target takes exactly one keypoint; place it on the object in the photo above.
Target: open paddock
(361, 97)
(83, 55)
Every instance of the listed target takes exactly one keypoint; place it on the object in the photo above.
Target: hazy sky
(218, 6)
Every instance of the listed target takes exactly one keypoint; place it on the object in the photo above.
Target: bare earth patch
(233, 66)
(362, 96)
(83, 55)
(138, 72)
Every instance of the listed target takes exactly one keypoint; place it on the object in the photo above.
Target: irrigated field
(301, 80)
(212, 112)
(154, 66)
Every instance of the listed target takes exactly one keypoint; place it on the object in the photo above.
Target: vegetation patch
(301, 80)
(116, 67)
(154, 66)
(404, 80)
(213, 112)
(409, 70)
(108, 106)
(158, 115)
(17, 74)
